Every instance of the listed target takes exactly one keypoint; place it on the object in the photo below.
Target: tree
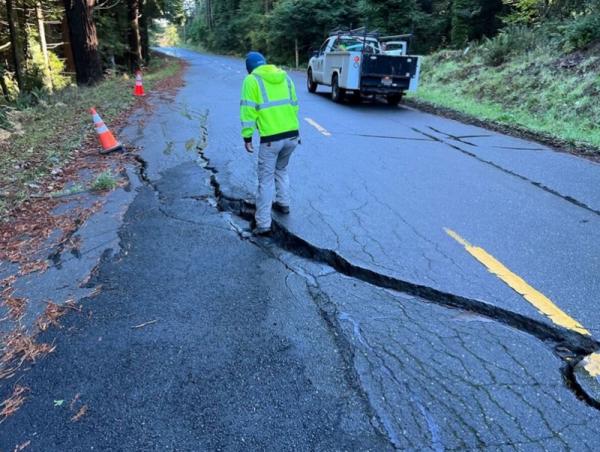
(84, 41)
(144, 32)
(43, 45)
(308, 22)
(463, 13)
(135, 41)
(14, 43)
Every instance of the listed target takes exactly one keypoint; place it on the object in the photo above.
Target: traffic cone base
(117, 147)
(106, 138)
(139, 85)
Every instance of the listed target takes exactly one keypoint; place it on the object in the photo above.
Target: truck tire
(310, 83)
(337, 93)
(354, 98)
(393, 99)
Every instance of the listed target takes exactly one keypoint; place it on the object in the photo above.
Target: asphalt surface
(201, 337)
(381, 190)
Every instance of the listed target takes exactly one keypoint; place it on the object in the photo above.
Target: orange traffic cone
(107, 139)
(139, 86)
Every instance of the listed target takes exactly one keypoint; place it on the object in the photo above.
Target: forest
(44, 45)
(502, 54)
(277, 26)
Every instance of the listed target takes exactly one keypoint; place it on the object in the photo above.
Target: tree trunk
(209, 18)
(84, 41)
(135, 42)
(14, 40)
(144, 34)
(42, 32)
(69, 60)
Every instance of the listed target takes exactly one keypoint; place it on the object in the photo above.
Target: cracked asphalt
(293, 343)
(381, 189)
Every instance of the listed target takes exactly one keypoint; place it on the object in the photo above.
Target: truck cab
(356, 63)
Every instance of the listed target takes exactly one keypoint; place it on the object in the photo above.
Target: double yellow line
(542, 303)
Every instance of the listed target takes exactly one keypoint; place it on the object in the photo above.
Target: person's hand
(249, 147)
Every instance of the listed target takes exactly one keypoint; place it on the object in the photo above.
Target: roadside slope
(538, 92)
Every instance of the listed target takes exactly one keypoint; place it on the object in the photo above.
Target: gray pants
(273, 180)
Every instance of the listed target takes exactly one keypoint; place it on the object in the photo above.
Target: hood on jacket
(270, 74)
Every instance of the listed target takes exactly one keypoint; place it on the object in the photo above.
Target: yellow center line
(542, 303)
(317, 126)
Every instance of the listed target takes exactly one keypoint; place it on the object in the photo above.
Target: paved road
(383, 187)
(259, 345)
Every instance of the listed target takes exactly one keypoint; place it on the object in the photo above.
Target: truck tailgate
(388, 65)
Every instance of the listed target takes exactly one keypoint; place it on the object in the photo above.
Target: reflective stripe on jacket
(269, 104)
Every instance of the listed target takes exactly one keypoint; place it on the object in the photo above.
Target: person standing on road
(269, 104)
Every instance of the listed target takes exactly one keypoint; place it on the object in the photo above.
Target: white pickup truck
(357, 64)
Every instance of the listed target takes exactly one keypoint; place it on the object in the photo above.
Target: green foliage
(235, 26)
(513, 40)
(11, 84)
(536, 87)
(581, 32)
(38, 77)
(104, 181)
(166, 36)
(112, 36)
(4, 121)
(523, 11)
(307, 21)
(463, 12)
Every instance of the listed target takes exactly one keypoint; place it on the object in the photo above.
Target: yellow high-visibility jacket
(269, 104)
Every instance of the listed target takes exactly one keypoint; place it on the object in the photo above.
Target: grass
(104, 181)
(44, 137)
(541, 91)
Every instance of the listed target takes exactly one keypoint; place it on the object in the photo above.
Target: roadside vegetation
(543, 79)
(105, 181)
(43, 137)
(58, 59)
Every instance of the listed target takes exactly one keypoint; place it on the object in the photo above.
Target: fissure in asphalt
(547, 189)
(570, 346)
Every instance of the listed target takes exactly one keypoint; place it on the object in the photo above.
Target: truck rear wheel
(310, 83)
(337, 93)
(393, 99)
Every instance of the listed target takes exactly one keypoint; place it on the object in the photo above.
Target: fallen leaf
(74, 401)
(80, 413)
(13, 403)
(141, 325)
(20, 447)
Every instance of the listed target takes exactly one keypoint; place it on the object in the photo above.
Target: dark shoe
(261, 231)
(281, 208)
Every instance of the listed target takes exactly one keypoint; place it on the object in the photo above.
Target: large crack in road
(570, 346)
(420, 367)
(372, 367)
(537, 184)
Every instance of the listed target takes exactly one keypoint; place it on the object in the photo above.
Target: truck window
(394, 46)
(355, 44)
(323, 47)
